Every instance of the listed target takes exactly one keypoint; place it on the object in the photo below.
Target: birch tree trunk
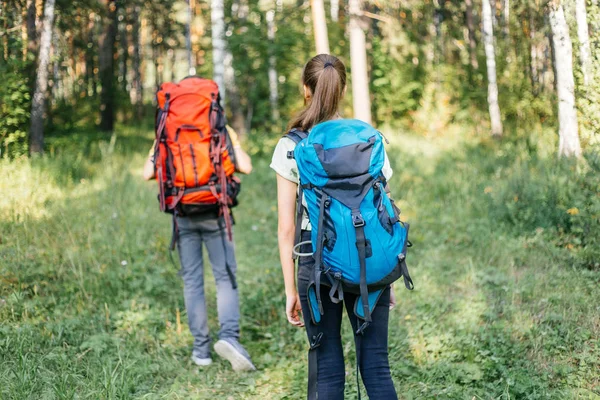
(585, 54)
(569, 145)
(506, 11)
(490, 56)
(188, 40)
(217, 18)
(38, 104)
(471, 29)
(334, 9)
(320, 26)
(106, 62)
(358, 61)
(273, 90)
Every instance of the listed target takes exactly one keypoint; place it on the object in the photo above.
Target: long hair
(325, 77)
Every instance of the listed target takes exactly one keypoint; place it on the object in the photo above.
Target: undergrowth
(504, 261)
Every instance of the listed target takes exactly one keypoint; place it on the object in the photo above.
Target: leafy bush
(558, 199)
(15, 107)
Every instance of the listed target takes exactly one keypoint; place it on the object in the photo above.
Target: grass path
(91, 307)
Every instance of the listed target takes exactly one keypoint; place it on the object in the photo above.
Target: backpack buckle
(357, 220)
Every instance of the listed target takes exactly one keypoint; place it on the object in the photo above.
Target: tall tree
(38, 104)
(188, 39)
(106, 43)
(273, 83)
(320, 26)
(569, 145)
(31, 28)
(136, 63)
(358, 62)
(490, 56)
(471, 31)
(585, 53)
(334, 9)
(217, 19)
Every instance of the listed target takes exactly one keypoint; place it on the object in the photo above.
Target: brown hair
(325, 77)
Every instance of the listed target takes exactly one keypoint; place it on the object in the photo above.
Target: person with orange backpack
(194, 158)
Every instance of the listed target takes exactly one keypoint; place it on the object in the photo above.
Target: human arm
(148, 172)
(243, 160)
(286, 210)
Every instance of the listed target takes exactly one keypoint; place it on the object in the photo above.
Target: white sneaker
(201, 362)
(232, 351)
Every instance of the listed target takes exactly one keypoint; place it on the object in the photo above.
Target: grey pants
(210, 230)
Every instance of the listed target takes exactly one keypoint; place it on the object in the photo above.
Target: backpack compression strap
(361, 246)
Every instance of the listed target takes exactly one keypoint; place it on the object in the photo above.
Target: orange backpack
(194, 158)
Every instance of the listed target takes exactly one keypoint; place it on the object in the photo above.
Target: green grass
(91, 307)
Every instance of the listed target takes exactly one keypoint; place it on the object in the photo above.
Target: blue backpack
(359, 243)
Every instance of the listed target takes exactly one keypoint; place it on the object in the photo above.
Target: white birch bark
(188, 40)
(273, 83)
(490, 56)
(358, 61)
(334, 9)
(319, 26)
(38, 104)
(217, 17)
(569, 145)
(585, 53)
(506, 10)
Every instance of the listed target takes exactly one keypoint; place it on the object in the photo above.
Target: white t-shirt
(288, 169)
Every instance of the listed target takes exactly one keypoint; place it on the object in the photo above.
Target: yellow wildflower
(573, 211)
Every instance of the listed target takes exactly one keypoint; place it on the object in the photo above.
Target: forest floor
(91, 306)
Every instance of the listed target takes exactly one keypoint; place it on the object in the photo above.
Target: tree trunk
(136, 86)
(233, 97)
(319, 26)
(106, 44)
(585, 54)
(358, 59)
(217, 19)
(31, 30)
(506, 11)
(534, 71)
(273, 89)
(124, 50)
(38, 104)
(490, 56)
(188, 40)
(569, 145)
(334, 9)
(472, 41)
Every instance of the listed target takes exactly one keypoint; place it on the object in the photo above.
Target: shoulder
(281, 163)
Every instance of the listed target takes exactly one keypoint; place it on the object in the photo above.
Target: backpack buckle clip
(357, 220)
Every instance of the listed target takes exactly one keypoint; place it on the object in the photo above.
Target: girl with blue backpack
(336, 218)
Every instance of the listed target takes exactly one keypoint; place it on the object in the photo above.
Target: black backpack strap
(313, 366)
(296, 135)
(361, 245)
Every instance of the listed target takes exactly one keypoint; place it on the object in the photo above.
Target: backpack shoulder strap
(297, 136)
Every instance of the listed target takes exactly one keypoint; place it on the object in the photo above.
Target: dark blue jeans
(374, 364)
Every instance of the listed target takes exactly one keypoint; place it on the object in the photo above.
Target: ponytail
(325, 77)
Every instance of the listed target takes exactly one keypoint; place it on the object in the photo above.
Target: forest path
(92, 307)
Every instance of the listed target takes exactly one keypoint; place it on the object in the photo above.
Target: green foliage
(91, 306)
(15, 106)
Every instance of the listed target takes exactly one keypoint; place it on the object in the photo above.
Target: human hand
(292, 310)
(392, 297)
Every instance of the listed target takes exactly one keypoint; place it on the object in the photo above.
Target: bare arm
(148, 172)
(244, 162)
(286, 210)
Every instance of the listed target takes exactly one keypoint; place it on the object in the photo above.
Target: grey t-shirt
(288, 169)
